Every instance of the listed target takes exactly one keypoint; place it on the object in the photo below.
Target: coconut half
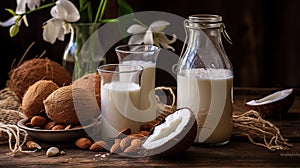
(174, 135)
(274, 105)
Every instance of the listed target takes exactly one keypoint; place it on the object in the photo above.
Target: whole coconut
(33, 70)
(91, 82)
(71, 105)
(32, 103)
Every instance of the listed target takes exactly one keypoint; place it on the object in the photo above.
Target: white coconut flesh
(172, 127)
(279, 95)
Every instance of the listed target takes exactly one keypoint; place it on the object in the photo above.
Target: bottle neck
(212, 25)
(203, 47)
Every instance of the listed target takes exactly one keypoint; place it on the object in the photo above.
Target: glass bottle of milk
(205, 79)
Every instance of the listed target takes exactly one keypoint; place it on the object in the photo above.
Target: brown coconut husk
(91, 82)
(32, 103)
(33, 70)
(71, 105)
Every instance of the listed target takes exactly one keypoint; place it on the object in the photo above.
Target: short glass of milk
(120, 98)
(145, 56)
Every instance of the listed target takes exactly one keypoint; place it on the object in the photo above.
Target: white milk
(209, 94)
(119, 104)
(147, 86)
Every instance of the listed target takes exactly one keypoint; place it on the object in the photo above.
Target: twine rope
(259, 131)
(16, 138)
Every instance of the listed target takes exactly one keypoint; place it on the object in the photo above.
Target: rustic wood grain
(238, 153)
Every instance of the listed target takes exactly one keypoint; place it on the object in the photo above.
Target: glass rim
(118, 48)
(137, 68)
(210, 18)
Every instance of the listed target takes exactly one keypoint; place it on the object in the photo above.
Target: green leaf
(124, 8)
(81, 4)
(11, 11)
(90, 12)
(14, 29)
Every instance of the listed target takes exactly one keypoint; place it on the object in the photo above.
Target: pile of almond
(125, 142)
(40, 122)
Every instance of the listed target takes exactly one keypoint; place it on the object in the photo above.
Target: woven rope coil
(10, 107)
(9, 100)
(10, 114)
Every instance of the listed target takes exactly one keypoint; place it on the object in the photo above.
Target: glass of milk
(120, 98)
(145, 56)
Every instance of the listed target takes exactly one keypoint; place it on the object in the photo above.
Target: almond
(83, 143)
(33, 145)
(125, 142)
(131, 149)
(68, 127)
(115, 148)
(49, 125)
(136, 142)
(99, 146)
(38, 121)
(58, 127)
(118, 140)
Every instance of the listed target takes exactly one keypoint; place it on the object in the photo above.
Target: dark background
(265, 33)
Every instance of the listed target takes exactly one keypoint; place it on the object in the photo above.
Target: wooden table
(239, 152)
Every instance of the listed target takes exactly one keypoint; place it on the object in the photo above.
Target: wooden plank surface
(239, 152)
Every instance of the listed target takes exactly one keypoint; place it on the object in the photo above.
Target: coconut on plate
(91, 82)
(71, 105)
(32, 102)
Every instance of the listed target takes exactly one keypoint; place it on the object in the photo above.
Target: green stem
(109, 20)
(99, 11)
(139, 22)
(103, 10)
(39, 8)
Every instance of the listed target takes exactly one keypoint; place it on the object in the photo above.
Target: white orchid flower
(153, 34)
(65, 10)
(9, 22)
(58, 26)
(21, 9)
(31, 4)
(56, 29)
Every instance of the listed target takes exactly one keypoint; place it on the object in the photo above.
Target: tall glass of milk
(205, 79)
(145, 56)
(120, 98)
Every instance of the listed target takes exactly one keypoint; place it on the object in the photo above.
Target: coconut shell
(71, 105)
(32, 103)
(91, 82)
(178, 144)
(274, 110)
(33, 70)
